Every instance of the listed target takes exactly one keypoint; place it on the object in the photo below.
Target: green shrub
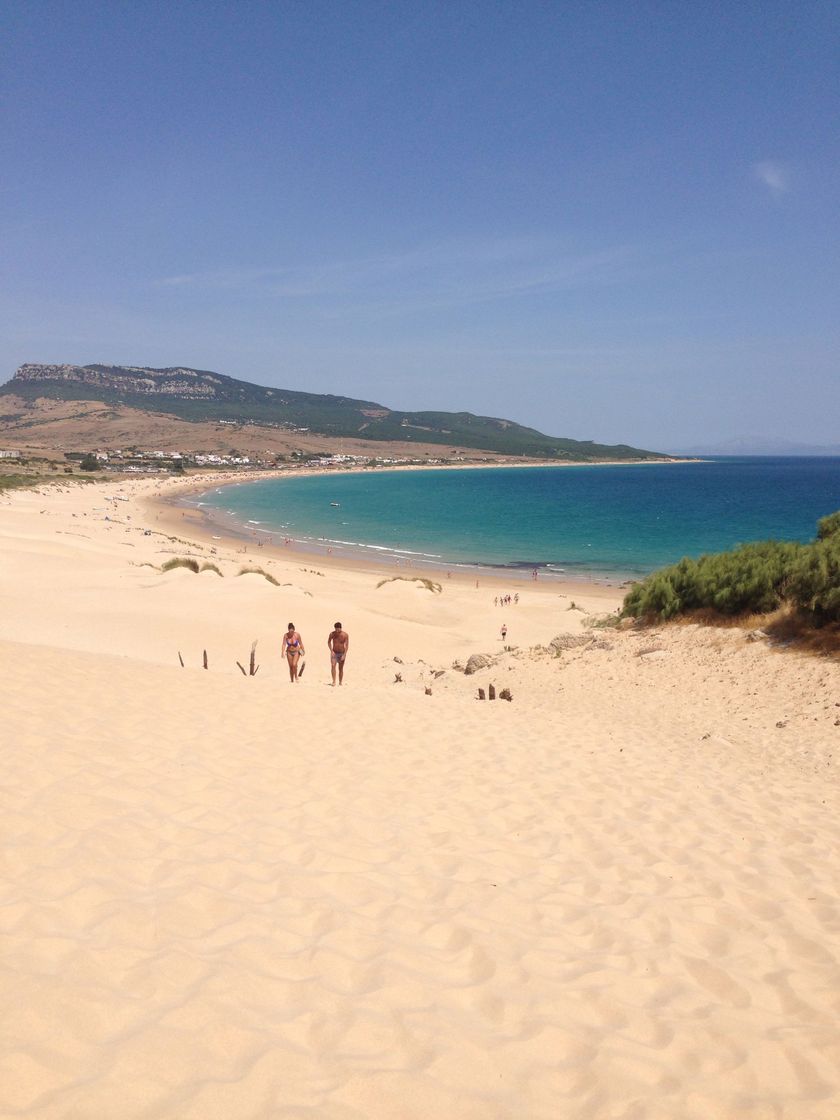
(815, 579)
(207, 566)
(14, 481)
(752, 579)
(828, 526)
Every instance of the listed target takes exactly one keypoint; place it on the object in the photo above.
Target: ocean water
(615, 522)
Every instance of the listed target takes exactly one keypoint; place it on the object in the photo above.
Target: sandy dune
(227, 897)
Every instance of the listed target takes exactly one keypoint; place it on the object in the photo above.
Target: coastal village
(146, 461)
(153, 462)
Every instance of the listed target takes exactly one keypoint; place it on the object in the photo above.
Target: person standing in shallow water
(293, 649)
(338, 643)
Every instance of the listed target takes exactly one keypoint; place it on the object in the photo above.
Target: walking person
(338, 644)
(504, 631)
(293, 649)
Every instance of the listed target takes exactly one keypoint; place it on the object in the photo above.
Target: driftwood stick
(253, 656)
(180, 658)
(205, 659)
(491, 692)
(242, 667)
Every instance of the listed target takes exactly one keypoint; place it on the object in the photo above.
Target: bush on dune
(828, 526)
(750, 580)
(753, 579)
(815, 580)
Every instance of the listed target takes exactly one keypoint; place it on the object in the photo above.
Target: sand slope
(229, 897)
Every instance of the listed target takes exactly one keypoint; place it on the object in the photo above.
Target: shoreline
(216, 524)
(215, 530)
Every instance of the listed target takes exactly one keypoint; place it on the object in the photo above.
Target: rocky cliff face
(176, 381)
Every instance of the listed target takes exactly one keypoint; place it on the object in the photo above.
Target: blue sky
(607, 221)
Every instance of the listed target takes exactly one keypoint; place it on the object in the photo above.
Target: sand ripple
(224, 899)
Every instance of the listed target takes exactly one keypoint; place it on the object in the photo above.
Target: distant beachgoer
(293, 649)
(504, 631)
(338, 644)
(516, 597)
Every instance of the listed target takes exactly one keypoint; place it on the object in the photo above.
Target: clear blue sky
(615, 221)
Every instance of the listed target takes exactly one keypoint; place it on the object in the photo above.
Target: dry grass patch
(785, 627)
(793, 630)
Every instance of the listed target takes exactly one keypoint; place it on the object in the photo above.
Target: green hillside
(200, 395)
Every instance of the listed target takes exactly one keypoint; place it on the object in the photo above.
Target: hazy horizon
(607, 223)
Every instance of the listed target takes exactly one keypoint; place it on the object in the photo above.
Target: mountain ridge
(199, 395)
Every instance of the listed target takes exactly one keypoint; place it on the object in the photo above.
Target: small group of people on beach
(338, 644)
(505, 600)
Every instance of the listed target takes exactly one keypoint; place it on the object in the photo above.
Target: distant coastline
(588, 525)
(213, 524)
(177, 504)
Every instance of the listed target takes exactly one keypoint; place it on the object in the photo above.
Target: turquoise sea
(584, 521)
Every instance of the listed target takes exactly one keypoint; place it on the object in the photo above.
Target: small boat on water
(336, 504)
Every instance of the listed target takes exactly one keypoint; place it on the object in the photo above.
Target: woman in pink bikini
(293, 649)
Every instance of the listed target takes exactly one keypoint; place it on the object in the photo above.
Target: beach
(224, 895)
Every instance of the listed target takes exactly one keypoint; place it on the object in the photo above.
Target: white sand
(224, 897)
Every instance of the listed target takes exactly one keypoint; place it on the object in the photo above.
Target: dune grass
(180, 562)
(429, 584)
(259, 572)
(35, 481)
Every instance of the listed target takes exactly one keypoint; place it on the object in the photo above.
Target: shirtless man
(338, 643)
